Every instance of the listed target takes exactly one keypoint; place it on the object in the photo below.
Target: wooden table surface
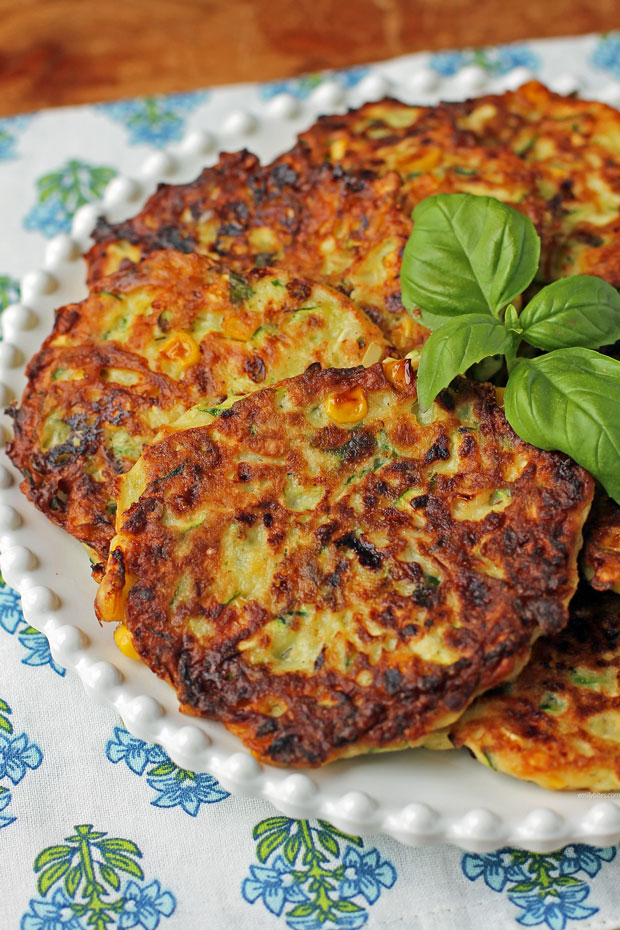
(55, 52)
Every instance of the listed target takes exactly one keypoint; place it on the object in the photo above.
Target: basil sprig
(467, 254)
(466, 261)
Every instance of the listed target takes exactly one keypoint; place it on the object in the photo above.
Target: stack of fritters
(344, 571)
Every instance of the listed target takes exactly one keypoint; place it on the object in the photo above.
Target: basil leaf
(451, 349)
(579, 311)
(467, 254)
(433, 320)
(568, 400)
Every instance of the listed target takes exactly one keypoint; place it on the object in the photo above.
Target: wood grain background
(55, 52)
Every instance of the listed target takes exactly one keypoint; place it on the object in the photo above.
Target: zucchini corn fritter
(558, 723)
(344, 228)
(148, 343)
(343, 573)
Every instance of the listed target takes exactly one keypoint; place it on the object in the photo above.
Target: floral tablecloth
(100, 829)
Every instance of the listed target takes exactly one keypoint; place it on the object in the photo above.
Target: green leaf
(164, 768)
(347, 907)
(51, 854)
(579, 311)
(51, 875)
(124, 863)
(523, 886)
(568, 400)
(456, 345)
(302, 910)
(467, 254)
(6, 725)
(568, 880)
(325, 825)
(271, 823)
(269, 843)
(109, 876)
(328, 842)
(72, 879)
(433, 320)
(4, 707)
(116, 844)
(291, 848)
(511, 320)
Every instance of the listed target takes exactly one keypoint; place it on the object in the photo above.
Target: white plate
(418, 797)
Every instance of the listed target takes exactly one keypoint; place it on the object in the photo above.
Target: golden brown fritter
(346, 229)
(600, 558)
(574, 148)
(429, 152)
(343, 572)
(148, 343)
(558, 723)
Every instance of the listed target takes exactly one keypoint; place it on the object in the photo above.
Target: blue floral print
(134, 752)
(9, 128)
(274, 885)
(60, 193)
(38, 650)
(553, 909)
(365, 874)
(303, 869)
(11, 616)
(545, 888)
(185, 789)
(12, 621)
(606, 55)
(506, 57)
(55, 914)
(497, 869)
(5, 800)
(143, 907)
(302, 87)
(497, 61)
(173, 786)
(17, 755)
(89, 865)
(448, 63)
(155, 121)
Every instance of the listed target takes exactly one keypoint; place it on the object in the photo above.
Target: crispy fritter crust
(573, 146)
(601, 552)
(430, 152)
(103, 384)
(344, 228)
(330, 590)
(558, 723)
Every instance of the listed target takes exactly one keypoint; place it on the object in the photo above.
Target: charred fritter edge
(601, 552)
(573, 146)
(558, 723)
(475, 627)
(107, 379)
(345, 228)
(430, 153)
